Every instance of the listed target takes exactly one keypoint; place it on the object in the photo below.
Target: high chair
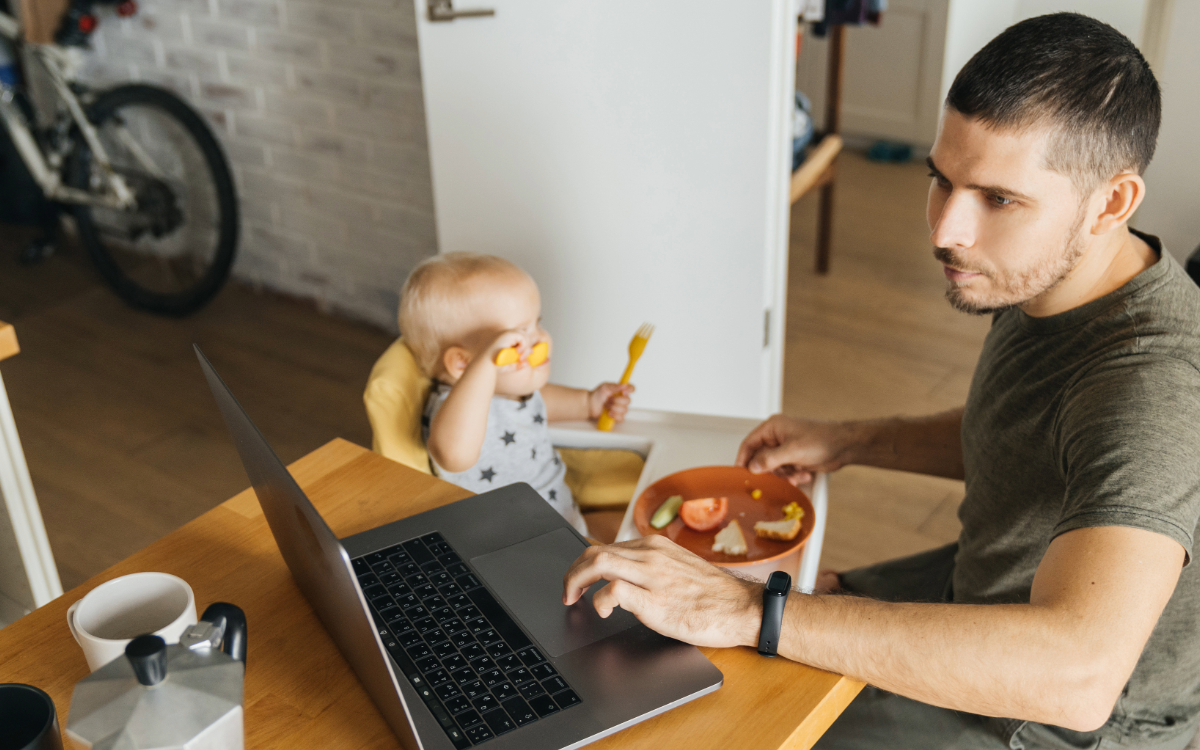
(605, 470)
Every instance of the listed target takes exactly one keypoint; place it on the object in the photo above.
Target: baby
(485, 424)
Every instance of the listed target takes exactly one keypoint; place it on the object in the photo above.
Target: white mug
(117, 611)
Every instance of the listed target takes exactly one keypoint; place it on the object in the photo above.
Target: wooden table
(299, 690)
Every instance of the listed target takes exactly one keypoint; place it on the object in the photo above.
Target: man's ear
(455, 360)
(1119, 198)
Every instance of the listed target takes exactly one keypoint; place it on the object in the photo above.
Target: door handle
(443, 10)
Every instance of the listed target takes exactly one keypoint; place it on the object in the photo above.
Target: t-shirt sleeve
(1129, 435)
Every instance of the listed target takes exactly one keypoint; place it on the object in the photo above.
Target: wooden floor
(124, 444)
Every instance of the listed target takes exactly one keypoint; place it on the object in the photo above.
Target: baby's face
(511, 302)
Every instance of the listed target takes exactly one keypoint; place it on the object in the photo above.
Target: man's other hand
(670, 590)
(795, 449)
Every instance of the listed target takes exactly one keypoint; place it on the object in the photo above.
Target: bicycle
(142, 175)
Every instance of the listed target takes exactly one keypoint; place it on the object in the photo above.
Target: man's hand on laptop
(670, 590)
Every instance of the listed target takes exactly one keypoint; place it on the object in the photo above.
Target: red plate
(736, 484)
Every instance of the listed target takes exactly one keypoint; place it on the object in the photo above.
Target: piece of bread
(730, 540)
(784, 531)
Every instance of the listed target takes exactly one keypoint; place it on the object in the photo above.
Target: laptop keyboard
(475, 669)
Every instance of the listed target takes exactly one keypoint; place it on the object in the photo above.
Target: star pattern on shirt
(522, 404)
(487, 474)
(553, 494)
(534, 455)
(538, 419)
(509, 438)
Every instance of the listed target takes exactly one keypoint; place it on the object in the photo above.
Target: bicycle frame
(60, 67)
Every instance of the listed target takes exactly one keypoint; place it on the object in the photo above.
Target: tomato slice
(704, 514)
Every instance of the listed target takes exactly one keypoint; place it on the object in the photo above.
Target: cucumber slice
(667, 511)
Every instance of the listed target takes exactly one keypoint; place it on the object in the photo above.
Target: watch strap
(772, 617)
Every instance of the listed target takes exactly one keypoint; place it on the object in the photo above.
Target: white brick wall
(319, 108)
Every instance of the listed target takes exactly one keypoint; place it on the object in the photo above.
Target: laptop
(453, 618)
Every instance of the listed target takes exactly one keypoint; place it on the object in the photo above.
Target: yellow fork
(636, 347)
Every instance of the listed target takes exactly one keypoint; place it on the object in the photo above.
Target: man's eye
(939, 179)
(1000, 200)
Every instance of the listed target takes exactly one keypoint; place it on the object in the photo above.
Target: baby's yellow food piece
(539, 353)
(667, 511)
(730, 540)
(792, 510)
(756, 494)
(507, 356)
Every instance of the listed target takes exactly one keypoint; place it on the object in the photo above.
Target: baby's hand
(506, 340)
(611, 396)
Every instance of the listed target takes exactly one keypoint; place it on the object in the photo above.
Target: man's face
(1006, 229)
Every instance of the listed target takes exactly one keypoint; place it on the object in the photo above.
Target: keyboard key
(360, 566)
(409, 638)
(497, 649)
(449, 558)
(395, 549)
(425, 625)
(453, 661)
(482, 663)
(382, 566)
(463, 676)
(433, 537)
(474, 690)
(400, 558)
(426, 592)
(457, 569)
(519, 710)
(408, 569)
(499, 618)
(367, 579)
(426, 664)
(458, 704)
(464, 640)
(416, 580)
(468, 719)
(504, 691)
(499, 721)
(530, 656)
(444, 649)
(449, 589)
(485, 703)
(447, 690)
(436, 677)
(518, 676)
(418, 551)
(491, 678)
(417, 612)
(470, 650)
(470, 613)
(431, 567)
(542, 672)
(531, 690)
(554, 684)
(374, 592)
(443, 615)
(479, 733)
(566, 698)
(468, 582)
(388, 579)
(419, 651)
(439, 578)
(478, 625)
(489, 636)
(389, 613)
(508, 663)
(404, 599)
(544, 705)
(457, 602)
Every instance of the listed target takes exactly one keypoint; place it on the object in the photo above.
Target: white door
(633, 156)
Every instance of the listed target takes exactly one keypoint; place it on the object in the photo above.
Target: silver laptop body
(474, 585)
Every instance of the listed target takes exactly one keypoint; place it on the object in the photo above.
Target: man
(1066, 616)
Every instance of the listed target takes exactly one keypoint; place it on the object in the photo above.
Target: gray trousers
(878, 720)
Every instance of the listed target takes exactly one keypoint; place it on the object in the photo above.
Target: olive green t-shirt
(1092, 418)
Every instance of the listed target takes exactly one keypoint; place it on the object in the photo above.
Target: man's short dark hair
(1080, 77)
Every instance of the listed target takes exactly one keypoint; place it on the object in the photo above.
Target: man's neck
(1105, 267)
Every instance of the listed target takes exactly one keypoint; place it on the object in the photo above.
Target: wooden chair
(819, 170)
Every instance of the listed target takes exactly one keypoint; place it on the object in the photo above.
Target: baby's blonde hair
(431, 309)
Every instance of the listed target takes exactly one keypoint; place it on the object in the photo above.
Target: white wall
(1172, 207)
(318, 105)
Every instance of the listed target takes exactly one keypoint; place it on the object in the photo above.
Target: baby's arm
(459, 427)
(565, 404)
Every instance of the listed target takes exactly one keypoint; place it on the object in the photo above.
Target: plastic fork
(636, 347)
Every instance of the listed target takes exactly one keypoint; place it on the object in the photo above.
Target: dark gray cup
(28, 720)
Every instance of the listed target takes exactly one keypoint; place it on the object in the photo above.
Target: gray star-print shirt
(517, 448)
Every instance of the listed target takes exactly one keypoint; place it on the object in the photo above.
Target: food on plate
(793, 510)
(756, 494)
(730, 540)
(784, 531)
(666, 512)
(704, 514)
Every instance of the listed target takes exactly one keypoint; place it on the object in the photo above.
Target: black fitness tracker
(774, 599)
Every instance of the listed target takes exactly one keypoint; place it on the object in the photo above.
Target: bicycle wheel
(173, 251)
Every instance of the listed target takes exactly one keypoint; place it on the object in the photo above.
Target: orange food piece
(539, 353)
(704, 514)
(507, 356)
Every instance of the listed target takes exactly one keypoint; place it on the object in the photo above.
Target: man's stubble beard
(1021, 287)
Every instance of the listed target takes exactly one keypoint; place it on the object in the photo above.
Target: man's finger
(768, 459)
(621, 594)
(608, 563)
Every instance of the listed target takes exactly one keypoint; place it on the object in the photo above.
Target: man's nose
(955, 225)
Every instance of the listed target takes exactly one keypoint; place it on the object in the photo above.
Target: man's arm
(1062, 659)
(798, 448)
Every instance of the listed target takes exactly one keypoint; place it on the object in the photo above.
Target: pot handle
(234, 642)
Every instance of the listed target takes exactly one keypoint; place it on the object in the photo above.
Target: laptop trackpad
(528, 578)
